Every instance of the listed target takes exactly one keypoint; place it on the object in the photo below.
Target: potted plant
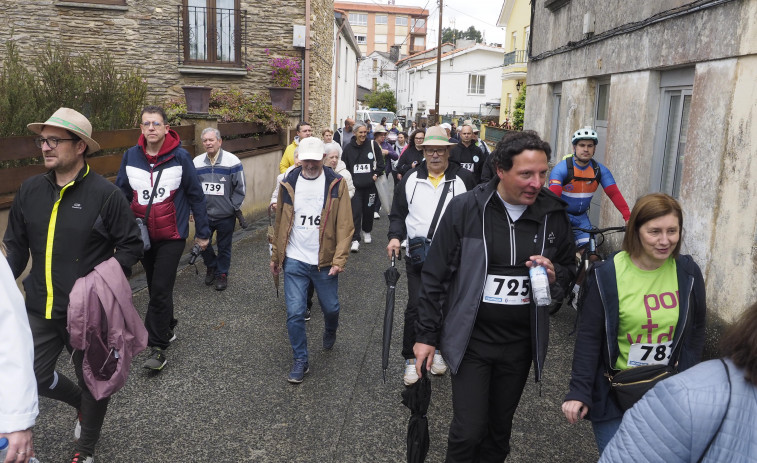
(285, 73)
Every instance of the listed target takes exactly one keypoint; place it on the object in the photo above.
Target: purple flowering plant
(285, 72)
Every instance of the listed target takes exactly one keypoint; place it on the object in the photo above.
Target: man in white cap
(70, 220)
(419, 202)
(311, 244)
(448, 128)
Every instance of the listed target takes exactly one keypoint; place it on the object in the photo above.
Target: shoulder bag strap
(152, 195)
(722, 420)
(438, 211)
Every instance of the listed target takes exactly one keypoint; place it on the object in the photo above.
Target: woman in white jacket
(332, 160)
(18, 388)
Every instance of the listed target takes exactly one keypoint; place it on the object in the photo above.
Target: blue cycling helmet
(587, 133)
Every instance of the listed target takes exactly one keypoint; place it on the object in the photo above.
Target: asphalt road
(223, 395)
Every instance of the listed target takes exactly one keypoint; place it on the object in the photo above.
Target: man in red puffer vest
(159, 167)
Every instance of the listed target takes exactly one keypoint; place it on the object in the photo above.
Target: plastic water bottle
(540, 285)
(4, 444)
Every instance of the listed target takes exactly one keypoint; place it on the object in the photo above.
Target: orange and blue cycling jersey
(579, 190)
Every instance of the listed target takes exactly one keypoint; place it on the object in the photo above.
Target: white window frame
(381, 19)
(400, 21)
(358, 19)
(476, 84)
(380, 38)
(676, 96)
(419, 41)
(361, 39)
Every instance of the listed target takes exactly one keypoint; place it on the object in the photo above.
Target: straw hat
(379, 129)
(436, 136)
(70, 120)
(311, 149)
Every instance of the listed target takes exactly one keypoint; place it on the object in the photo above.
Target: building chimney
(394, 53)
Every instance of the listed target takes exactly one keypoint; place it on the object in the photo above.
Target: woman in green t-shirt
(644, 306)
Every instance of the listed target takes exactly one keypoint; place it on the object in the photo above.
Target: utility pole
(438, 62)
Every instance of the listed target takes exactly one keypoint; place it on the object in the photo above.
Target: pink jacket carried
(103, 322)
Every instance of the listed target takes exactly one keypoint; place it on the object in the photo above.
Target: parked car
(375, 115)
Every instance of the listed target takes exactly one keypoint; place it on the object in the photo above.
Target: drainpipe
(306, 74)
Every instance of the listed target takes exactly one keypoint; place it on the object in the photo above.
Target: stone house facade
(670, 88)
(217, 43)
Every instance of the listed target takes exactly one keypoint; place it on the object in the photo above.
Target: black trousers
(362, 209)
(50, 336)
(411, 311)
(485, 393)
(160, 264)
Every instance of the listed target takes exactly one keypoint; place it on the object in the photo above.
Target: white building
(343, 72)
(376, 70)
(470, 79)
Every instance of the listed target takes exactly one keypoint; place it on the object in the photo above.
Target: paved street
(224, 396)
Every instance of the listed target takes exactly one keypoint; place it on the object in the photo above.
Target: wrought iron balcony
(211, 36)
(516, 57)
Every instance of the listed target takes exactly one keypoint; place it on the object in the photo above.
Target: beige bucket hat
(74, 122)
(436, 136)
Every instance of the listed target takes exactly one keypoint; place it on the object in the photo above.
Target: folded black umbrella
(391, 275)
(417, 398)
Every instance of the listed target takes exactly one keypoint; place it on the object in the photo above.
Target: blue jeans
(297, 276)
(224, 230)
(604, 432)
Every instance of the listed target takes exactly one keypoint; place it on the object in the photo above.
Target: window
(418, 24)
(100, 2)
(381, 19)
(514, 42)
(528, 39)
(212, 32)
(556, 101)
(375, 64)
(380, 38)
(419, 41)
(476, 84)
(361, 39)
(358, 19)
(672, 130)
(375, 83)
(400, 21)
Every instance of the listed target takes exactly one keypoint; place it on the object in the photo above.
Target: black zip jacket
(68, 231)
(407, 158)
(469, 157)
(360, 155)
(455, 270)
(597, 349)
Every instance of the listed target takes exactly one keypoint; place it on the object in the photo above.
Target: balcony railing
(211, 36)
(516, 57)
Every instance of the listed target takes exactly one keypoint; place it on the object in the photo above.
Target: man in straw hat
(70, 219)
(311, 246)
(160, 168)
(417, 199)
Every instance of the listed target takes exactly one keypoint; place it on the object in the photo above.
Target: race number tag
(649, 354)
(507, 290)
(308, 222)
(161, 193)
(468, 165)
(214, 189)
(362, 168)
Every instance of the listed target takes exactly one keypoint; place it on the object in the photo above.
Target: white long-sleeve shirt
(18, 388)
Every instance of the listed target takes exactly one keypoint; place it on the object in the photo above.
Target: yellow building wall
(519, 21)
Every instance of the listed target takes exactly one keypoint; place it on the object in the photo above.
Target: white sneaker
(403, 244)
(355, 246)
(410, 376)
(367, 238)
(376, 215)
(438, 366)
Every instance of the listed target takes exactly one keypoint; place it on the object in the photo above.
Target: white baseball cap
(311, 149)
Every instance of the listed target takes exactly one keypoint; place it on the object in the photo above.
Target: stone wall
(146, 37)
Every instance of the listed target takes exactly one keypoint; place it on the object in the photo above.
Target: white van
(375, 116)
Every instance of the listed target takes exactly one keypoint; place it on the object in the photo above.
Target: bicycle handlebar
(598, 231)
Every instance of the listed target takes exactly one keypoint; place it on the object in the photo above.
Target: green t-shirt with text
(648, 303)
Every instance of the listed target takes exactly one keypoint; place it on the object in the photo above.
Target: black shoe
(222, 282)
(157, 359)
(307, 314)
(328, 340)
(210, 275)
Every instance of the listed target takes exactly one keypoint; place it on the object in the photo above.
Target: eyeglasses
(155, 124)
(420, 138)
(432, 151)
(51, 142)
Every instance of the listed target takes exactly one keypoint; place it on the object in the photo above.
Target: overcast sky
(482, 14)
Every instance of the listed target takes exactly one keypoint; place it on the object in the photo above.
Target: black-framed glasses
(155, 124)
(52, 142)
(432, 151)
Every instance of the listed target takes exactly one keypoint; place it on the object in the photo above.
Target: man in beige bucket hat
(70, 220)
